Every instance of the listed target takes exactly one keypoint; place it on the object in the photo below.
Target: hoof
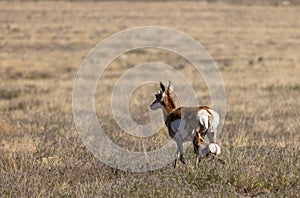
(221, 161)
(182, 159)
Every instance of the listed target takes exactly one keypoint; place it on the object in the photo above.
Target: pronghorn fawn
(202, 149)
(187, 124)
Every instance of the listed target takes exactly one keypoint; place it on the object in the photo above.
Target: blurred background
(256, 45)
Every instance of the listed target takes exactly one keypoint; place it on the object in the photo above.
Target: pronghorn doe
(187, 124)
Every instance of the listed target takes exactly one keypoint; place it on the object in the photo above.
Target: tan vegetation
(42, 44)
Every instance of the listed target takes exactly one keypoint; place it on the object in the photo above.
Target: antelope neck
(169, 104)
(168, 107)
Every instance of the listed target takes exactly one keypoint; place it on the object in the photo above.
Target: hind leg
(212, 135)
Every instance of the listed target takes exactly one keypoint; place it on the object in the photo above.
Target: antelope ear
(162, 87)
(170, 87)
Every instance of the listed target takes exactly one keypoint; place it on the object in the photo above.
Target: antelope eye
(158, 96)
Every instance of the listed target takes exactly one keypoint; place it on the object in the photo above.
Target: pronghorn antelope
(202, 149)
(184, 123)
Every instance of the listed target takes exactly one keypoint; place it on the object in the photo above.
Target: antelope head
(163, 98)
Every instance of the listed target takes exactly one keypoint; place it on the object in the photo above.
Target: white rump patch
(203, 117)
(215, 122)
(214, 148)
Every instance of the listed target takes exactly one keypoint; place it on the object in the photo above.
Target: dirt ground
(42, 44)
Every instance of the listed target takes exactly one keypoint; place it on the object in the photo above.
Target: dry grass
(42, 45)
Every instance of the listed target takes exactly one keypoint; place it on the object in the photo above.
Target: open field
(42, 44)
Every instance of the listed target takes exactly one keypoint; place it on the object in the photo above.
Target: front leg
(182, 159)
(179, 142)
(176, 157)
